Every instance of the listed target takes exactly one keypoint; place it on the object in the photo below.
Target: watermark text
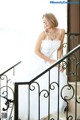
(64, 2)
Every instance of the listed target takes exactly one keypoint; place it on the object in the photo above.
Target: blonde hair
(51, 18)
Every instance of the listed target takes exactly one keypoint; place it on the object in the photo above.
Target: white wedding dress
(28, 71)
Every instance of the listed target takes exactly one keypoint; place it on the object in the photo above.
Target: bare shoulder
(42, 35)
(63, 31)
(40, 38)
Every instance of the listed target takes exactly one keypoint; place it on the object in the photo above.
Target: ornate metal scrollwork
(45, 93)
(72, 37)
(64, 64)
(68, 96)
(70, 117)
(32, 86)
(52, 87)
(78, 100)
(5, 91)
(4, 77)
(65, 45)
(4, 95)
(52, 119)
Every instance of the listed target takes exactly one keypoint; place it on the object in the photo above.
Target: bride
(49, 41)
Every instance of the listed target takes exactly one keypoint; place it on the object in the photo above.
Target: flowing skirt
(43, 92)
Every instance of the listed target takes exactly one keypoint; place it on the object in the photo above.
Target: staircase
(69, 114)
(62, 116)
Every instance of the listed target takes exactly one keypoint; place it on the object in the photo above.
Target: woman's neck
(51, 30)
(51, 33)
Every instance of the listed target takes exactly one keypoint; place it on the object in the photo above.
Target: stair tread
(73, 83)
(62, 116)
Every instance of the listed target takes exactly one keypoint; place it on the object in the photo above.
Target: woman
(51, 33)
(49, 41)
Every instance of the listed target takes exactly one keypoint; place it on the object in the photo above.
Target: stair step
(71, 107)
(62, 116)
(71, 103)
(78, 87)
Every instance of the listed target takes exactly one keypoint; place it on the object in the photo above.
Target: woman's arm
(60, 50)
(38, 47)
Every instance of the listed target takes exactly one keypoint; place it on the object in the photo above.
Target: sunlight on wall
(20, 25)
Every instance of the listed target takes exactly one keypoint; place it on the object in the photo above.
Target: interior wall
(73, 41)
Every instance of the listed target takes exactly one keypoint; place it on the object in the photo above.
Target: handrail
(10, 68)
(54, 64)
(50, 67)
(76, 34)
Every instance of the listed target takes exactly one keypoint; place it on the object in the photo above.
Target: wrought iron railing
(47, 92)
(6, 103)
(11, 109)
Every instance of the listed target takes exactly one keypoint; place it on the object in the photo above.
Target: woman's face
(46, 23)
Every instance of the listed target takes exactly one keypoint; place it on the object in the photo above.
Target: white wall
(20, 25)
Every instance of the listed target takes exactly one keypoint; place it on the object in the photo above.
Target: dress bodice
(49, 46)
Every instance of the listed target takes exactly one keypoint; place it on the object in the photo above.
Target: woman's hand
(52, 61)
(61, 68)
